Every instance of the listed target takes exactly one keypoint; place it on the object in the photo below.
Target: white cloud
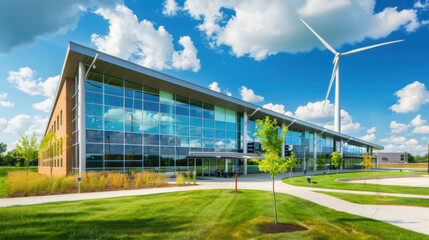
(249, 96)
(368, 137)
(3, 123)
(402, 144)
(425, 139)
(140, 42)
(280, 108)
(7, 104)
(228, 93)
(420, 4)
(421, 129)
(418, 121)
(394, 139)
(371, 130)
(347, 124)
(170, 8)
(47, 19)
(259, 29)
(214, 86)
(411, 98)
(25, 80)
(45, 105)
(26, 124)
(3, 96)
(186, 58)
(396, 127)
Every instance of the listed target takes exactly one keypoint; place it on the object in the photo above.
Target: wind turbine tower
(336, 73)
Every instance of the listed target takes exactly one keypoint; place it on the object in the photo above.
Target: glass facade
(135, 126)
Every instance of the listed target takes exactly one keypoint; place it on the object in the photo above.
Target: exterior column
(226, 165)
(81, 119)
(283, 143)
(314, 150)
(341, 151)
(245, 141)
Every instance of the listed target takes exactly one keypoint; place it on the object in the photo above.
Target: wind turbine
(336, 73)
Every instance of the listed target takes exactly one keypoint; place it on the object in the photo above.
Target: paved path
(412, 218)
(409, 181)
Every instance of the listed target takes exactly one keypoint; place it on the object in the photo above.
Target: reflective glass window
(133, 126)
(94, 122)
(182, 130)
(196, 131)
(151, 156)
(167, 140)
(113, 101)
(208, 123)
(182, 101)
(114, 164)
(166, 129)
(196, 113)
(133, 138)
(151, 106)
(133, 103)
(231, 126)
(220, 125)
(182, 120)
(220, 133)
(166, 118)
(113, 86)
(167, 109)
(94, 151)
(94, 110)
(133, 164)
(208, 142)
(230, 116)
(166, 97)
(94, 86)
(113, 137)
(208, 106)
(182, 141)
(91, 97)
(151, 94)
(208, 132)
(151, 128)
(195, 142)
(208, 115)
(231, 134)
(150, 116)
(151, 139)
(113, 124)
(195, 104)
(219, 114)
(94, 136)
(219, 143)
(196, 122)
(113, 152)
(132, 88)
(133, 152)
(182, 111)
(133, 115)
(114, 112)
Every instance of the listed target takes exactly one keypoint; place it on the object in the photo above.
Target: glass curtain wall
(131, 126)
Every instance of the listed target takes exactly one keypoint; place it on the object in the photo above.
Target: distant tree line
(417, 158)
(12, 157)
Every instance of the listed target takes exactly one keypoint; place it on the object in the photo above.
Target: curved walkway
(412, 218)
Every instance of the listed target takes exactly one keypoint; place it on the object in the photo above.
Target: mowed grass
(379, 200)
(3, 176)
(203, 214)
(328, 181)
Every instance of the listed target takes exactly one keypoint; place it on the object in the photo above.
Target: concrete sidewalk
(412, 218)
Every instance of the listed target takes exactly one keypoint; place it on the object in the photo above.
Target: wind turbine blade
(320, 38)
(369, 47)
(332, 81)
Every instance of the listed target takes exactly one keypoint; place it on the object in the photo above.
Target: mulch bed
(236, 192)
(282, 228)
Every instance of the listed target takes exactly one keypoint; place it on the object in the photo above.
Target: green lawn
(208, 214)
(379, 200)
(328, 181)
(3, 176)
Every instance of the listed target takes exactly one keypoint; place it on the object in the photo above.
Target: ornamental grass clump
(188, 177)
(194, 177)
(180, 179)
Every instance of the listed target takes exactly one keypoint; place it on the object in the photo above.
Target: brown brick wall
(64, 105)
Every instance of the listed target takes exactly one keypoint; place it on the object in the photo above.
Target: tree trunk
(27, 171)
(337, 169)
(275, 204)
(364, 184)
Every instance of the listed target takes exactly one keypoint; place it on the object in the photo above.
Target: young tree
(320, 161)
(3, 148)
(50, 147)
(336, 160)
(367, 164)
(29, 149)
(273, 163)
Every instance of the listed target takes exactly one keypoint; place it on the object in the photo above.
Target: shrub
(180, 179)
(188, 177)
(194, 177)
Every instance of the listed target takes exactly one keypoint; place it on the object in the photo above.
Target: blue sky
(258, 51)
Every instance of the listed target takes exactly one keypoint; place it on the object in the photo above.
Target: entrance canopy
(225, 155)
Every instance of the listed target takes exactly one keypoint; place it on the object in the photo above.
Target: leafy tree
(320, 161)
(3, 148)
(273, 162)
(417, 158)
(29, 149)
(11, 158)
(410, 158)
(50, 147)
(336, 160)
(367, 164)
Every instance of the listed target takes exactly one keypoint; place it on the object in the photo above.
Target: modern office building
(391, 157)
(121, 116)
